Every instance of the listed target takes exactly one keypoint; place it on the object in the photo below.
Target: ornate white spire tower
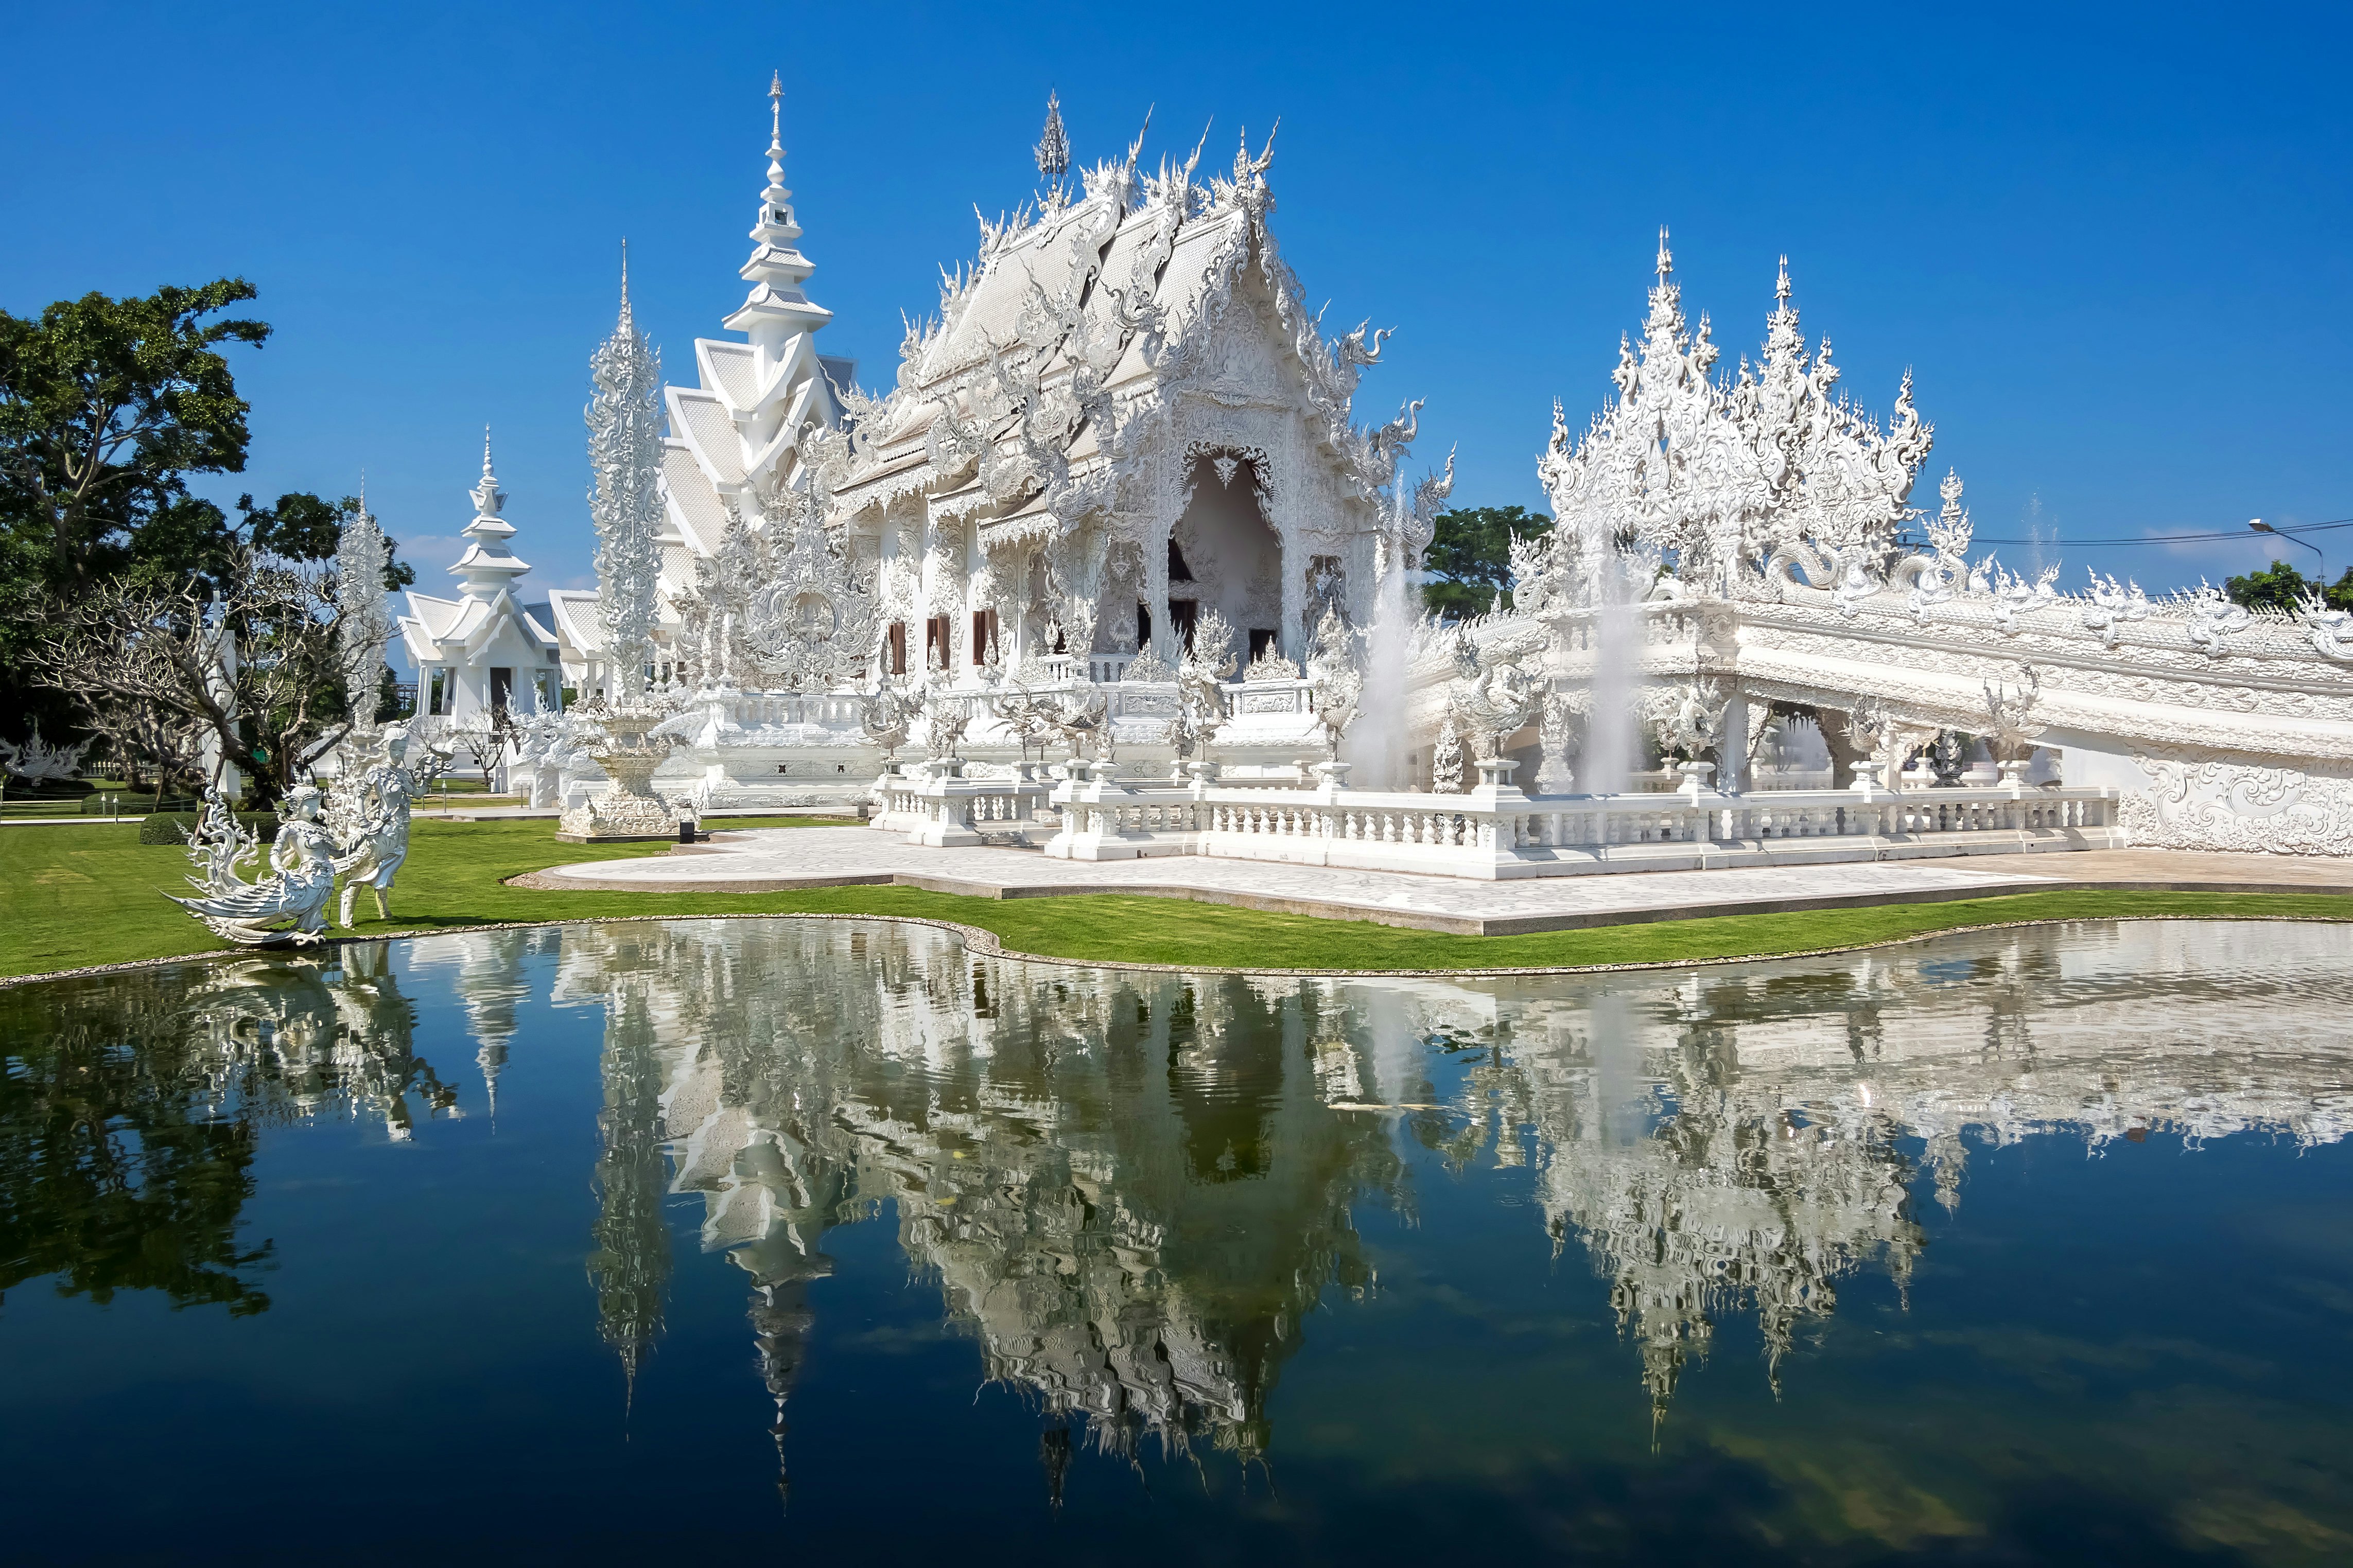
(788, 390)
(625, 454)
(488, 566)
(360, 559)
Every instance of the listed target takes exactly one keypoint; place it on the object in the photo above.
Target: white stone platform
(776, 860)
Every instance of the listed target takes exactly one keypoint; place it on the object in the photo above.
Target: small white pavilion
(484, 650)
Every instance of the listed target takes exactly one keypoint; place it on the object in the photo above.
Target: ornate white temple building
(484, 650)
(1123, 424)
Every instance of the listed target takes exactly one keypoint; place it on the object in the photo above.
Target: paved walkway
(774, 859)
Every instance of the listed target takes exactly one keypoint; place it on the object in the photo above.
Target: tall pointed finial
(487, 497)
(1781, 289)
(628, 320)
(1135, 148)
(776, 209)
(1666, 256)
(1054, 149)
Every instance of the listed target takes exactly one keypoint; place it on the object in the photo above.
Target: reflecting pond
(828, 1236)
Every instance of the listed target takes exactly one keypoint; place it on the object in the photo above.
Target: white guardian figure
(375, 856)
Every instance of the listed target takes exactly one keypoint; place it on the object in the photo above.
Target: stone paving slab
(779, 860)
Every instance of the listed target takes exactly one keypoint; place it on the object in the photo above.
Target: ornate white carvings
(624, 417)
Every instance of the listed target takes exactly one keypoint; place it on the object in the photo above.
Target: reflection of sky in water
(2020, 1245)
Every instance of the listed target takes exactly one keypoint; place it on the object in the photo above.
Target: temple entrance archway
(1223, 553)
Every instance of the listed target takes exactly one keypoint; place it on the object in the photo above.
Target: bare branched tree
(252, 659)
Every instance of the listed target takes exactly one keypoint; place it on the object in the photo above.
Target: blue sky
(2112, 244)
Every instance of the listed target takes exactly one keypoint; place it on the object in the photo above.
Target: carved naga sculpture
(290, 905)
(2331, 630)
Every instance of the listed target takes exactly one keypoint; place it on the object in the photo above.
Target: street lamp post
(2260, 526)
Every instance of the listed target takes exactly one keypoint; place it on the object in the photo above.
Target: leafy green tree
(107, 406)
(2280, 586)
(1470, 557)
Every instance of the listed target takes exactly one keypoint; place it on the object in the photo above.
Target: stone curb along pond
(2023, 1244)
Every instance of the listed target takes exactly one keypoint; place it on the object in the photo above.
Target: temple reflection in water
(1134, 1188)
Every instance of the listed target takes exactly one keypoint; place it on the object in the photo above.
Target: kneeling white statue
(302, 880)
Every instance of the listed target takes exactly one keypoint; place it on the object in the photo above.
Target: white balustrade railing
(944, 809)
(1504, 834)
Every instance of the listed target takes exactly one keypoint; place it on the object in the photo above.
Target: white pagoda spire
(488, 566)
(624, 417)
(782, 322)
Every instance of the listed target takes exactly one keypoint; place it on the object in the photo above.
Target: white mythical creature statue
(1495, 697)
(2014, 596)
(2112, 606)
(1446, 759)
(1029, 713)
(301, 882)
(1200, 694)
(887, 715)
(1335, 682)
(1691, 719)
(380, 795)
(2331, 630)
(1885, 739)
(219, 846)
(2010, 725)
(1937, 575)
(945, 718)
(2213, 618)
(1080, 715)
(547, 745)
(1557, 734)
(39, 762)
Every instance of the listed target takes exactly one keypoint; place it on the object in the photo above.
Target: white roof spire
(488, 565)
(779, 318)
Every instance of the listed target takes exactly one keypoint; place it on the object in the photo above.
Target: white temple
(485, 650)
(1124, 423)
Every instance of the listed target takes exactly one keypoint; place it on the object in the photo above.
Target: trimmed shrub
(174, 827)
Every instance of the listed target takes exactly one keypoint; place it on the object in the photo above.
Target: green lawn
(81, 894)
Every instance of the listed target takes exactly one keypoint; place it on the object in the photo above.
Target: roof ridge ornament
(1053, 149)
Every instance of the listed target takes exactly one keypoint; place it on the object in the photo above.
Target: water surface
(803, 1236)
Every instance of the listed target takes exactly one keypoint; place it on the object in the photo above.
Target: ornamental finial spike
(1054, 149)
(1666, 256)
(776, 111)
(1781, 289)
